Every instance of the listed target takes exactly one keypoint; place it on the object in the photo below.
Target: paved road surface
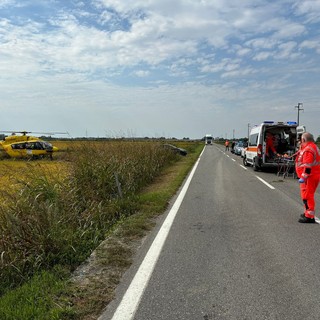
(234, 251)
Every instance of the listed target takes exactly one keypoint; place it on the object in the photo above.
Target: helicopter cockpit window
(34, 145)
(38, 146)
(46, 145)
(18, 146)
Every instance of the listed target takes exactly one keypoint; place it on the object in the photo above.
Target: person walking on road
(308, 171)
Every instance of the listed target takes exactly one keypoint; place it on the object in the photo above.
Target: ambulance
(284, 140)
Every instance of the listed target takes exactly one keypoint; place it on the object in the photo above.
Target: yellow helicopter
(26, 146)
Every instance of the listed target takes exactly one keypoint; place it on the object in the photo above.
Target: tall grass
(53, 221)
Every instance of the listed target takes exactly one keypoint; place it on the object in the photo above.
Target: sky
(158, 68)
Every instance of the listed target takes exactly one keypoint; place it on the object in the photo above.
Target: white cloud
(238, 73)
(224, 65)
(311, 44)
(243, 51)
(287, 50)
(262, 43)
(7, 3)
(289, 30)
(142, 73)
(263, 55)
(310, 9)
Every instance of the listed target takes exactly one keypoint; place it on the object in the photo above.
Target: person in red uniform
(270, 148)
(227, 145)
(308, 171)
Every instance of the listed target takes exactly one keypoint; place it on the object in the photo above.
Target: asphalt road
(234, 251)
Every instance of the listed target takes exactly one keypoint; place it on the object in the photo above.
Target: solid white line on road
(243, 167)
(130, 301)
(266, 183)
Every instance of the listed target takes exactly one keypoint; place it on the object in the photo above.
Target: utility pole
(233, 135)
(248, 130)
(299, 109)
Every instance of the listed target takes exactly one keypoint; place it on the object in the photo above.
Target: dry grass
(15, 172)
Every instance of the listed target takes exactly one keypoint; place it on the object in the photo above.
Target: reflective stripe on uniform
(312, 164)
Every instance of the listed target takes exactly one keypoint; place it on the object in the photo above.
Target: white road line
(243, 167)
(234, 160)
(130, 301)
(266, 183)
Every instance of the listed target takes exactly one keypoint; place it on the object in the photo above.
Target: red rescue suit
(270, 146)
(308, 168)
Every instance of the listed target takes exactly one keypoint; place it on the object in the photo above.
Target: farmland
(55, 213)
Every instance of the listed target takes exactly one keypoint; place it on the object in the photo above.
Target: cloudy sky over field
(173, 68)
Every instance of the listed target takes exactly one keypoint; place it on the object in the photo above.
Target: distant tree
(318, 139)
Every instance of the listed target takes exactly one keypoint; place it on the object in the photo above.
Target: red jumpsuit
(270, 146)
(308, 168)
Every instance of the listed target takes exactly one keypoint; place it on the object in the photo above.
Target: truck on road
(208, 138)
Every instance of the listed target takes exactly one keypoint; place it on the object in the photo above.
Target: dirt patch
(94, 282)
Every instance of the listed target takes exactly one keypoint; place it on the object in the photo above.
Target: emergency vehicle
(284, 140)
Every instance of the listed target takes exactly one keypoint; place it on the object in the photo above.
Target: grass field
(57, 212)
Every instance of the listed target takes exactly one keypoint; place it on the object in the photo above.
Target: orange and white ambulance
(284, 135)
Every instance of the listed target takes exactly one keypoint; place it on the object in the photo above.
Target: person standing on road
(232, 146)
(227, 145)
(308, 171)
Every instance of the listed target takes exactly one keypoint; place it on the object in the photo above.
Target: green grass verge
(38, 299)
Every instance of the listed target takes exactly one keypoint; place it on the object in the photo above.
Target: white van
(285, 142)
(208, 139)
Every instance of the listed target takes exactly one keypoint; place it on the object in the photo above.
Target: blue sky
(155, 68)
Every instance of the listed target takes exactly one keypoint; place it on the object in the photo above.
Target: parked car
(239, 148)
(243, 151)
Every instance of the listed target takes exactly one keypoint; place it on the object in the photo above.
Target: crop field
(17, 172)
(56, 211)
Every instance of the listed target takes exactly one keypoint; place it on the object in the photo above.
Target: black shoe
(306, 220)
(302, 215)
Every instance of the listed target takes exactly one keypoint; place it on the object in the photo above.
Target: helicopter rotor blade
(35, 132)
(10, 131)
